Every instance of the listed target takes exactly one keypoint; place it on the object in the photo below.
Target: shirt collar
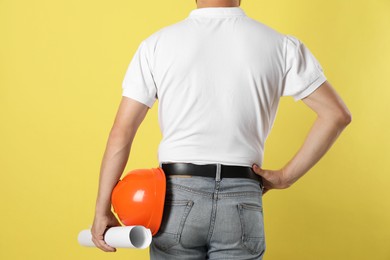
(217, 12)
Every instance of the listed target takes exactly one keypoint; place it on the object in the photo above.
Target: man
(218, 75)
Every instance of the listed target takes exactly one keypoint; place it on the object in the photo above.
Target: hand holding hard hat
(138, 200)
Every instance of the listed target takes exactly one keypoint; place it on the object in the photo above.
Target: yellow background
(61, 68)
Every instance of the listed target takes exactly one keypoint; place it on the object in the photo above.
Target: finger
(106, 246)
(257, 169)
(97, 244)
(100, 243)
(96, 241)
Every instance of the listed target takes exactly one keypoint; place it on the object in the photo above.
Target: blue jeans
(210, 218)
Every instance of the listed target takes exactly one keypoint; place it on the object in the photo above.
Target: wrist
(102, 211)
(103, 205)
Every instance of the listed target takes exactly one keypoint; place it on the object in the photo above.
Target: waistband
(216, 171)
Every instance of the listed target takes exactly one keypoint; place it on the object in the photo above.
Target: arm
(129, 117)
(332, 118)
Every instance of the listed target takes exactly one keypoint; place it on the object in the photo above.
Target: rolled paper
(120, 237)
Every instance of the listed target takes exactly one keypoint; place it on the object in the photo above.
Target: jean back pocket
(172, 223)
(252, 227)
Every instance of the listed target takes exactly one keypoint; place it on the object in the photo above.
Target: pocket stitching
(244, 236)
(252, 207)
(176, 237)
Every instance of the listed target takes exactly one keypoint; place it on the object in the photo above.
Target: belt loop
(218, 175)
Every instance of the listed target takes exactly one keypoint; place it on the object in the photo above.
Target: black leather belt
(210, 170)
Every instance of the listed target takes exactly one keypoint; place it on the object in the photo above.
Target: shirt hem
(311, 88)
(138, 97)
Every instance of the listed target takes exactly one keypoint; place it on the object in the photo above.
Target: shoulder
(263, 28)
(261, 34)
(171, 30)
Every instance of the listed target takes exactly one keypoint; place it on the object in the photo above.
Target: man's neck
(217, 3)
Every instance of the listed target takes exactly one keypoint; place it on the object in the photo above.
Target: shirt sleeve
(303, 73)
(138, 82)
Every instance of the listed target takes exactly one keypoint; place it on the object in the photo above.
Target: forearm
(320, 138)
(112, 166)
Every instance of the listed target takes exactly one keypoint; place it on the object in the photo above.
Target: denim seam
(239, 194)
(187, 210)
(210, 194)
(177, 186)
(214, 210)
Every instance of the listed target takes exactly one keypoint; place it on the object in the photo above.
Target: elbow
(344, 118)
(349, 118)
(340, 118)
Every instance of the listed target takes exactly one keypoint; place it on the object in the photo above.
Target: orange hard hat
(138, 198)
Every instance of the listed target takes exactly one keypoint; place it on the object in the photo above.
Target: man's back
(218, 75)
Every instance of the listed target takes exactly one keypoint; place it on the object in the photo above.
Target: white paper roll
(120, 237)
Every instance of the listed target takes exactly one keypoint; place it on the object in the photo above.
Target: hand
(271, 179)
(100, 224)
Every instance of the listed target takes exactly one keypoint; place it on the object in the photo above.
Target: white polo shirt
(218, 75)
